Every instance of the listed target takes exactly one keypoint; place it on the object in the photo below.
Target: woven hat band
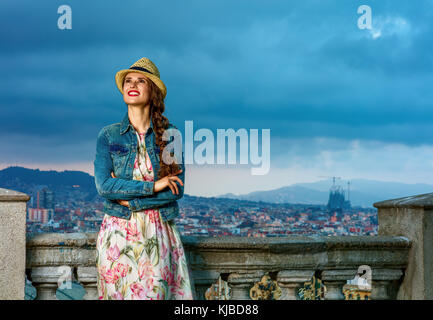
(141, 69)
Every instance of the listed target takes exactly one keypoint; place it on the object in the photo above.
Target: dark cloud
(302, 69)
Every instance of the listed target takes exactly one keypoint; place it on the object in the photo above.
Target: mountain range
(362, 192)
(65, 184)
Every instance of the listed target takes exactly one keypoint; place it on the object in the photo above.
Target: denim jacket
(116, 149)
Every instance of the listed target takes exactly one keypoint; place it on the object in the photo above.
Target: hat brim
(120, 77)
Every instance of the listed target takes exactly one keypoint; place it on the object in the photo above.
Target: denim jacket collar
(126, 124)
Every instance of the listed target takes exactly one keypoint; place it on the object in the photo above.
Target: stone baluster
(46, 279)
(241, 283)
(290, 280)
(334, 280)
(88, 277)
(200, 290)
(385, 283)
(202, 280)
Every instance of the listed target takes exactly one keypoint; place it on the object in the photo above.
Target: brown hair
(160, 123)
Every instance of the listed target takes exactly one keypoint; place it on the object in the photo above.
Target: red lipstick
(133, 93)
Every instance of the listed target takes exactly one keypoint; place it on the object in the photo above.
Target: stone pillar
(412, 217)
(47, 279)
(241, 283)
(203, 280)
(290, 280)
(88, 277)
(385, 283)
(12, 244)
(334, 280)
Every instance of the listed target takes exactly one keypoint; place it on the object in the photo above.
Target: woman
(139, 250)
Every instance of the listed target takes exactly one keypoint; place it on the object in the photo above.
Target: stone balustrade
(399, 261)
(241, 261)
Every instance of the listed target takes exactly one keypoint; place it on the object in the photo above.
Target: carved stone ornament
(312, 290)
(353, 292)
(266, 289)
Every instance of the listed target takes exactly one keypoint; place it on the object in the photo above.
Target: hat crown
(147, 64)
(147, 68)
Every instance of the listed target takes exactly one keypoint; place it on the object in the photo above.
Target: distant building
(334, 217)
(40, 215)
(48, 197)
(44, 210)
(337, 203)
(44, 199)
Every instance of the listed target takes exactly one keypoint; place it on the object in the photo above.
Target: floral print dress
(142, 258)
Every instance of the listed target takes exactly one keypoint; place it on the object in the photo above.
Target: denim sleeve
(115, 188)
(159, 198)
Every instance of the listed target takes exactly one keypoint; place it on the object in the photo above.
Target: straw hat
(147, 68)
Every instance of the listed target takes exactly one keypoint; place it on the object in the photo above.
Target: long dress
(142, 258)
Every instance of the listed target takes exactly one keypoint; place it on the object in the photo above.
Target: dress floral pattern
(142, 258)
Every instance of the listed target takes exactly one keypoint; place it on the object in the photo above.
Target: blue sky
(338, 100)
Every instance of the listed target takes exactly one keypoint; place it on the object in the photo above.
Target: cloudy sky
(338, 100)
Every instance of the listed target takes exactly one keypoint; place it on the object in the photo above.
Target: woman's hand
(168, 181)
(124, 203)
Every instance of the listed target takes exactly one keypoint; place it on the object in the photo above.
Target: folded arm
(161, 198)
(115, 188)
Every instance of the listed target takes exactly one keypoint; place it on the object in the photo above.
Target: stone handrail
(240, 261)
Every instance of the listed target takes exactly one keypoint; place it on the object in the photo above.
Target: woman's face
(136, 89)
